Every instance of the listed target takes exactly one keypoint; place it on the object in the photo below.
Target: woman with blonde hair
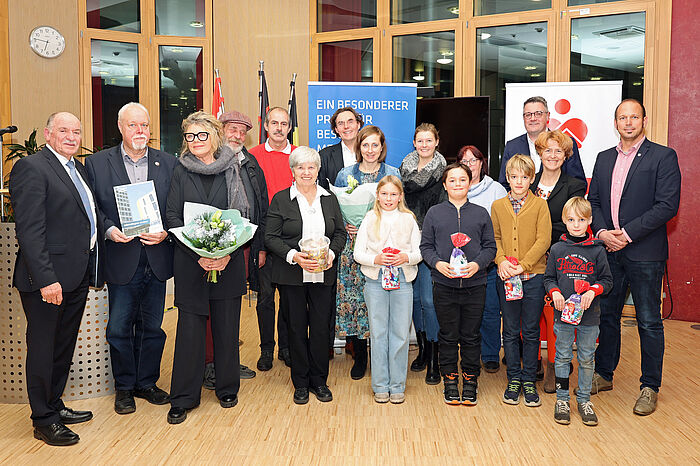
(387, 249)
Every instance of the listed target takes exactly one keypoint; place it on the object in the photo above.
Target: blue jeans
(644, 280)
(522, 314)
(586, 336)
(491, 320)
(134, 332)
(424, 317)
(389, 326)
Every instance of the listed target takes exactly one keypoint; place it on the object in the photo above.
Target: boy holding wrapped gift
(523, 229)
(577, 274)
(457, 244)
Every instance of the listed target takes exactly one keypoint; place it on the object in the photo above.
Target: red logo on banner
(574, 127)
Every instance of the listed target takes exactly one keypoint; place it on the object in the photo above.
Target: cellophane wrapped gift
(513, 285)
(390, 273)
(458, 261)
(316, 248)
(573, 312)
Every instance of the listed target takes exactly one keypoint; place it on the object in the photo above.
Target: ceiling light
(183, 97)
(575, 37)
(176, 50)
(637, 83)
(104, 73)
(444, 60)
(530, 67)
(419, 77)
(196, 24)
(535, 75)
(194, 89)
(485, 35)
(640, 67)
(174, 105)
(454, 10)
(164, 68)
(596, 78)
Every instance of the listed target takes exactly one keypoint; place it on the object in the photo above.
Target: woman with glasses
(483, 190)
(208, 173)
(556, 187)
(421, 171)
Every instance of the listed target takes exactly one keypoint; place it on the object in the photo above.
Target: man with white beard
(136, 268)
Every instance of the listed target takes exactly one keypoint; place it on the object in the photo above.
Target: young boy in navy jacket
(576, 265)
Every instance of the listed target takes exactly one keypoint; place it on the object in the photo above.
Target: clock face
(47, 42)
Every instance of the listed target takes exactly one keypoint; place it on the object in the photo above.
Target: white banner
(583, 110)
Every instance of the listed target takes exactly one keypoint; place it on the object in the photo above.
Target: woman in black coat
(305, 210)
(208, 173)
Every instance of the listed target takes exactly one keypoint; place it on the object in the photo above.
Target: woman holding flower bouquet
(208, 173)
(351, 319)
(304, 234)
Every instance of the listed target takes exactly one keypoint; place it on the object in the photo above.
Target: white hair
(132, 105)
(304, 154)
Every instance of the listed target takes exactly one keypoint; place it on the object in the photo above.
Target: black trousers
(459, 312)
(190, 347)
(309, 315)
(266, 313)
(51, 335)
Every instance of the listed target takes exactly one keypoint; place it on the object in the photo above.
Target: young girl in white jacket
(387, 250)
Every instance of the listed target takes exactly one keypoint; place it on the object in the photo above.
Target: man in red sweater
(273, 158)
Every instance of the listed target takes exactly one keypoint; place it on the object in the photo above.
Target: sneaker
(265, 361)
(381, 397)
(283, 355)
(512, 394)
(246, 372)
(588, 416)
(469, 389)
(646, 403)
(562, 412)
(322, 392)
(532, 399)
(209, 377)
(451, 390)
(397, 398)
(301, 396)
(491, 366)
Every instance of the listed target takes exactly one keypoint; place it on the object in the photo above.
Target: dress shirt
(348, 155)
(533, 153)
(287, 149)
(619, 176)
(64, 162)
(136, 171)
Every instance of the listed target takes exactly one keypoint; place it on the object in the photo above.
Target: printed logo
(574, 127)
(574, 264)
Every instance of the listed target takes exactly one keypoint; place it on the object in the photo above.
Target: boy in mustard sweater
(523, 230)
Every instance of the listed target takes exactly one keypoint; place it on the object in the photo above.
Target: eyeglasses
(470, 162)
(202, 136)
(537, 114)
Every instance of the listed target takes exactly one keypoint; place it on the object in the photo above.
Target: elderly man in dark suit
(535, 119)
(635, 190)
(345, 123)
(58, 231)
(136, 267)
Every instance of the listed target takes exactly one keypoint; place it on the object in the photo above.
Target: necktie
(83, 194)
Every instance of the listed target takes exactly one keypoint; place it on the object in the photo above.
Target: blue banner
(390, 106)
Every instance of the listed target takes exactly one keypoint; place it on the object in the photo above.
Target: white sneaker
(381, 397)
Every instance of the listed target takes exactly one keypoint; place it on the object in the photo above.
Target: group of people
(444, 247)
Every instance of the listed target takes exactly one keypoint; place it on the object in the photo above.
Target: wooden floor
(267, 428)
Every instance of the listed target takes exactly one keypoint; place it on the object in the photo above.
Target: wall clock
(47, 42)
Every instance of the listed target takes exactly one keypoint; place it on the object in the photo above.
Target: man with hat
(236, 126)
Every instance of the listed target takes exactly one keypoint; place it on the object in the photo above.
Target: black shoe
(177, 415)
(432, 373)
(418, 364)
(360, 367)
(322, 392)
(301, 396)
(68, 416)
(246, 372)
(153, 395)
(228, 401)
(451, 390)
(265, 361)
(491, 366)
(209, 377)
(540, 371)
(469, 389)
(124, 402)
(56, 434)
(283, 355)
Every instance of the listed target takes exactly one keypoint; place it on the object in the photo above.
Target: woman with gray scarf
(208, 173)
(421, 172)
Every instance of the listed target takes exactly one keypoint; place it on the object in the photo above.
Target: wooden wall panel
(5, 108)
(42, 86)
(276, 31)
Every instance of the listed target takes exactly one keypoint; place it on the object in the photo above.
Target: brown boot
(549, 385)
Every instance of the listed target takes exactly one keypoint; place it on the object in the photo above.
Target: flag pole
(260, 88)
(291, 92)
(221, 93)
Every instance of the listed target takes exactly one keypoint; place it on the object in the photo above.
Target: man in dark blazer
(59, 231)
(136, 267)
(635, 190)
(535, 118)
(345, 123)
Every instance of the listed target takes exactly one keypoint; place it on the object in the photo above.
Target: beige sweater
(398, 230)
(525, 236)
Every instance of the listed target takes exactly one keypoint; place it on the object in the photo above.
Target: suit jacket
(283, 232)
(192, 291)
(106, 170)
(331, 164)
(258, 215)
(52, 226)
(565, 188)
(650, 198)
(572, 166)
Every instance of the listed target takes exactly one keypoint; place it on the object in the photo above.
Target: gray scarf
(432, 172)
(224, 161)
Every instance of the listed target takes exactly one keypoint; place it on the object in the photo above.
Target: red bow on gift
(389, 250)
(512, 260)
(459, 239)
(581, 286)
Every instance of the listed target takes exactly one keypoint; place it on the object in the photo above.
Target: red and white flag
(218, 101)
